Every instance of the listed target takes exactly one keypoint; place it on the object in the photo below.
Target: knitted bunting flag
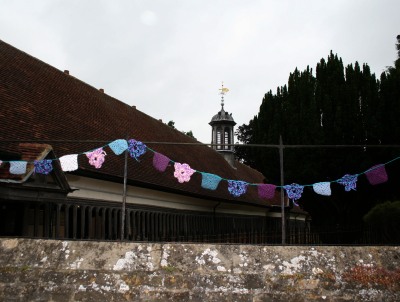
(183, 172)
(160, 161)
(136, 148)
(266, 191)
(349, 182)
(96, 157)
(237, 187)
(294, 191)
(44, 166)
(118, 146)
(210, 181)
(377, 175)
(69, 162)
(18, 167)
(322, 188)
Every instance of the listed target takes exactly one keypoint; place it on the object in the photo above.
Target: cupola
(222, 135)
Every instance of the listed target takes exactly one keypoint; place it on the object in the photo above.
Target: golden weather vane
(224, 90)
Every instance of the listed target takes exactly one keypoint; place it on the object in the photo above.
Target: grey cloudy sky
(169, 57)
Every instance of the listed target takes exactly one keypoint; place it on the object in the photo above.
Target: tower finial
(224, 90)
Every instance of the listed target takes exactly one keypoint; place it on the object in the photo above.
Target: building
(222, 134)
(47, 114)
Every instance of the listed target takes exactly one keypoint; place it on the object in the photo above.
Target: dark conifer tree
(338, 106)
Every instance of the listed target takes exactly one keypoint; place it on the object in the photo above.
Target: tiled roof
(41, 103)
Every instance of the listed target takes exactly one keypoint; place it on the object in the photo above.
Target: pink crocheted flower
(96, 157)
(183, 172)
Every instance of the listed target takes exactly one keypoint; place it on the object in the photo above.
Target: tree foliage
(385, 217)
(339, 105)
(188, 133)
(171, 124)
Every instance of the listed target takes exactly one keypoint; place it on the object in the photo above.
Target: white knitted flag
(69, 162)
(322, 188)
(18, 167)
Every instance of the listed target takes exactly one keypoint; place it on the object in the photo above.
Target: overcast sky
(169, 57)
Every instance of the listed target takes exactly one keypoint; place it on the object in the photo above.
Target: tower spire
(224, 90)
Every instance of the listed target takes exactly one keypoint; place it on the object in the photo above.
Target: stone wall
(50, 270)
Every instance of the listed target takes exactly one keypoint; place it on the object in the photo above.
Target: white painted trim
(102, 190)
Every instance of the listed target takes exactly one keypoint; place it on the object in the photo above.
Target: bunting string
(183, 172)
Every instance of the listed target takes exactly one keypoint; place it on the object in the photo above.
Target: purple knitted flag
(266, 191)
(377, 175)
(160, 161)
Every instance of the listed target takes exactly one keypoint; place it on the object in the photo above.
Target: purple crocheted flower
(96, 157)
(183, 172)
(294, 191)
(44, 166)
(237, 187)
(349, 182)
(136, 148)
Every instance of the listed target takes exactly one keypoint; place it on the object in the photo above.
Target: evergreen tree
(390, 98)
(338, 106)
(245, 135)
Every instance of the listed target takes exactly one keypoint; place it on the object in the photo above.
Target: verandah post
(124, 196)
(281, 147)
